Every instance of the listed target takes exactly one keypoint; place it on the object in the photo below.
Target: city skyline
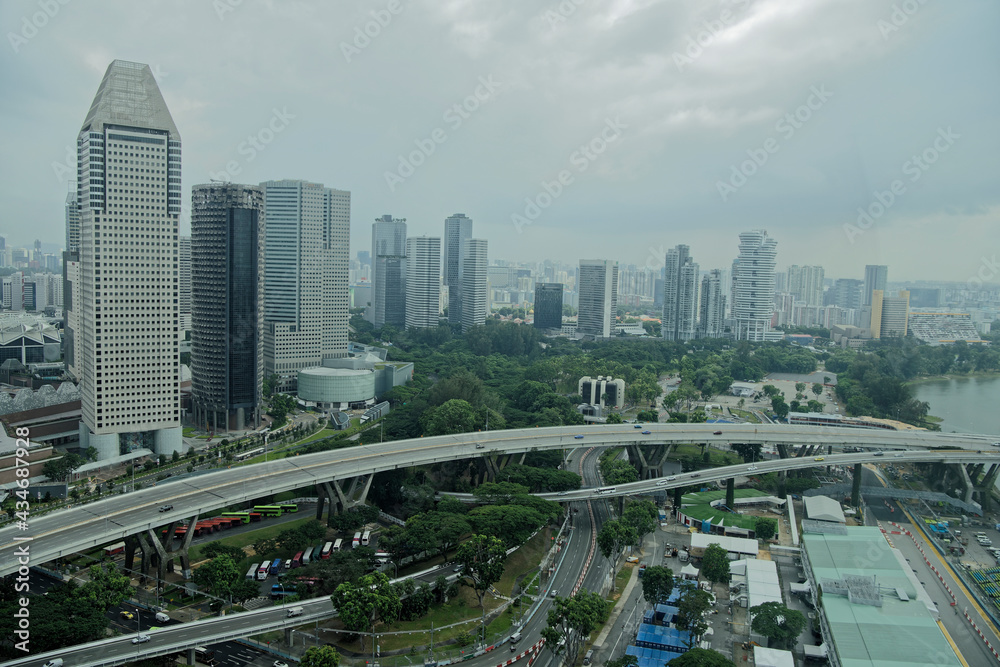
(866, 115)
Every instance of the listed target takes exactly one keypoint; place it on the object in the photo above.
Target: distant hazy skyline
(631, 125)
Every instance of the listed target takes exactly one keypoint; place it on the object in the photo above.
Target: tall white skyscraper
(306, 247)
(712, 310)
(389, 272)
(474, 283)
(680, 295)
(457, 229)
(597, 286)
(753, 286)
(125, 303)
(423, 281)
(806, 284)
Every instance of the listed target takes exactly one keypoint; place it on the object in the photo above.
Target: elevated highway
(65, 532)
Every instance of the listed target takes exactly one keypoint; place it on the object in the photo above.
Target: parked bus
(204, 656)
(327, 550)
(243, 516)
(268, 510)
(243, 456)
(282, 591)
(356, 542)
(114, 549)
(252, 572)
(317, 553)
(366, 538)
(337, 544)
(276, 566)
(289, 507)
(297, 560)
(255, 516)
(263, 570)
(382, 557)
(307, 556)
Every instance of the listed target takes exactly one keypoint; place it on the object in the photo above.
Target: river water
(966, 404)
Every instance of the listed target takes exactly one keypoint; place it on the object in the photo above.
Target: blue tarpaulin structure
(651, 657)
(662, 638)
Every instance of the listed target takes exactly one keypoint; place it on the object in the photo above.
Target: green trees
(320, 656)
(778, 623)
(279, 407)
(701, 657)
(59, 468)
(747, 452)
(218, 576)
(691, 608)
(641, 515)
(60, 618)
(817, 389)
(107, 587)
(779, 407)
(657, 584)
(715, 564)
(648, 416)
(617, 471)
(765, 527)
(363, 604)
(614, 536)
(484, 558)
(573, 619)
(453, 416)
(614, 418)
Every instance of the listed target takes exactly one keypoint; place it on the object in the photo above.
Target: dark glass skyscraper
(548, 305)
(227, 304)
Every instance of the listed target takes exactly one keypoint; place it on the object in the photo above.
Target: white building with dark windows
(680, 295)
(305, 276)
(423, 281)
(597, 286)
(475, 283)
(602, 391)
(753, 287)
(712, 306)
(126, 317)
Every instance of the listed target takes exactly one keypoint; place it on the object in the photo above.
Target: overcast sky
(668, 122)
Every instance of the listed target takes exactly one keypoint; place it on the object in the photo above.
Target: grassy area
(621, 580)
(749, 416)
(322, 433)
(716, 457)
(524, 560)
(248, 538)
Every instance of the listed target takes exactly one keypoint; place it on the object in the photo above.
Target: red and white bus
(263, 570)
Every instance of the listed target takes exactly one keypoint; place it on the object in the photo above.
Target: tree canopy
(484, 558)
(363, 604)
(715, 564)
(778, 623)
(701, 657)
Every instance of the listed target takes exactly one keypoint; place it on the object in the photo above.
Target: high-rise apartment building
(423, 281)
(597, 285)
(876, 278)
(227, 304)
(753, 286)
(306, 239)
(548, 305)
(805, 283)
(474, 283)
(680, 295)
(388, 272)
(847, 293)
(890, 314)
(184, 267)
(125, 301)
(712, 307)
(457, 230)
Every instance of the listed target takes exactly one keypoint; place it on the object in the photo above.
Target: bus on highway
(263, 571)
(289, 507)
(327, 550)
(606, 489)
(276, 566)
(268, 510)
(297, 560)
(252, 572)
(356, 542)
(244, 516)
(243, 456)
(336, 545)
(366, 538)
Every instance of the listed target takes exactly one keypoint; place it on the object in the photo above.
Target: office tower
(680, 295)
(597, 286)
(423, 281)
(184, 267)
(389, 272)
(889, 314)
(227, 306)
(548, 305)
(876, 278)
(72, 223)
(712, 310)
(125, 310)
(457, 229)
(926, 297)
(805, 283)
(753, 286)
(781, 281)
(847, 293)
(474, 283)
(306, 238)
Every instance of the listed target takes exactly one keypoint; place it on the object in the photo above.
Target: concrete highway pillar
(190, 656)
(131, 542)
(782, 451)
(677, 497)
(856, 486)
(147, 555)
(975, 471)
(185, 546)
(288, 636)
(781, 483)
(731, 493)
(988, 483)
(320, 501)
(161, 555)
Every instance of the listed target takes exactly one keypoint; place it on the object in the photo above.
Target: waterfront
(964, 404)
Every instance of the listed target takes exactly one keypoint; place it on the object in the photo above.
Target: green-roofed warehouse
(874, 611)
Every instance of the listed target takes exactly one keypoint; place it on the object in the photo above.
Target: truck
(683, 556)
(294, 611)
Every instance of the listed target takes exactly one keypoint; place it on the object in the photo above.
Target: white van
(294, 611)
(161, 617)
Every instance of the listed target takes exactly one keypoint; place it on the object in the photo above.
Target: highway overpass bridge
(68, 531)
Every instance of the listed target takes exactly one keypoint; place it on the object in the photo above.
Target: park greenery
(571, 620)
(692, 606)
(657, 584)
(715, 564)
(778, 623)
